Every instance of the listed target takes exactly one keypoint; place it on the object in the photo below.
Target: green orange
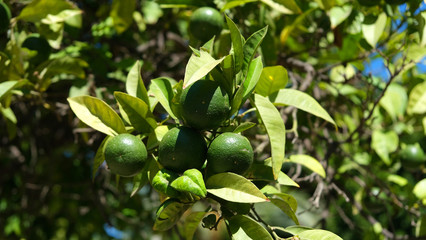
(35, 42)
(205, 22)
(125, 155)
(229, 152)
(204, 105)
(5, 17)
(182, 148)
(412, 155)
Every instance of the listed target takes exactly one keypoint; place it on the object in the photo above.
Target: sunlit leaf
(302, 101)
(420, 189)
(339, 14)
(275, 128)
(162, 89)
(237, 44)
(373, 31)
(134, 83)
(122, 14)
(234, 188)
(306, 233)
(97, 114)
(384, 143)
(309, 162)
(191, 224)
(417, 99)
(198, 67)
(271, 80)
(39, 9)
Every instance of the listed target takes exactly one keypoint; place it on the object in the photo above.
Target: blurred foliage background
(363, 61)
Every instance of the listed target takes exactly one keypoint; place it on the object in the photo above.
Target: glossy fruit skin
(5, 17)
(229, 152)
(125, 155)
(182, 148)
(205, 23)
(39, 44)
(412, 155)
(205, 105)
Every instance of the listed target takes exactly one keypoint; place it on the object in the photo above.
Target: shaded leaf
(97, 114)
(39, 9)
(137, 112)
(168, 214)
(250, 47)
(395, 101)
(99, 157)
(244, 228)
(191, 224)
(162, 89)
(384, 143)
(198, 67)
(237, 44)
(287, 204)
(122, 14)
(134, 83)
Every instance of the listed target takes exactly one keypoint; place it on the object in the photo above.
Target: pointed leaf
(283, 6)
(301, 101)
(99, 157)
(162, 89)
(234, 188)
(137, 112)
(244, 126)
(235, 3)
(251, 45)
(275, 128)
(271, 80)
(373, 31)
(244, 228)
(339, 14)
(143, 177)
(395, 101)
(417, 99)
(312, 234)
(134, 83)
(253, 75)
(39, 9)
(309, 162)
(198, 67)
(97, 114)
(191, 224)
(168, 214)
(287, 204)
(237, 44)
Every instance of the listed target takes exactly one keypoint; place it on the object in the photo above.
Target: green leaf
(235, 188)
(416, 100)
(263, 172)
(191, 224)
(301, 101)
(134, 83)
(283, 6)
(192, 182)
(401, 181)
(384, 143)
(99, 157)
(305, 233)
(237, 44)
(271, 80)
(419, 189)
(162, 89)
(395, 101)
(253, 75)
(168, 214)
(309, 162)
(136, 111)
(244, 126)
(235, 3)
(6, 87)
(162, 183)
(39, 9)
(372, 31)
(275, 128)
(122, 14)
(97, 114)
(339, 14)
(287, 204)
(340, 73)
(198, 67)
(143, 177)
(244, 228)
(421, 226)
(155, 137)
(250, 47)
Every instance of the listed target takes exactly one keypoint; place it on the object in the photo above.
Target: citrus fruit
(205, 22)
(5, 16)
(204, 105)
(125, 155)
(229, 152)
(182, 148)
(39, 44)
(412, 155)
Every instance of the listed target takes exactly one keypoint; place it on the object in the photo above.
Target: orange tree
(328, 94)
